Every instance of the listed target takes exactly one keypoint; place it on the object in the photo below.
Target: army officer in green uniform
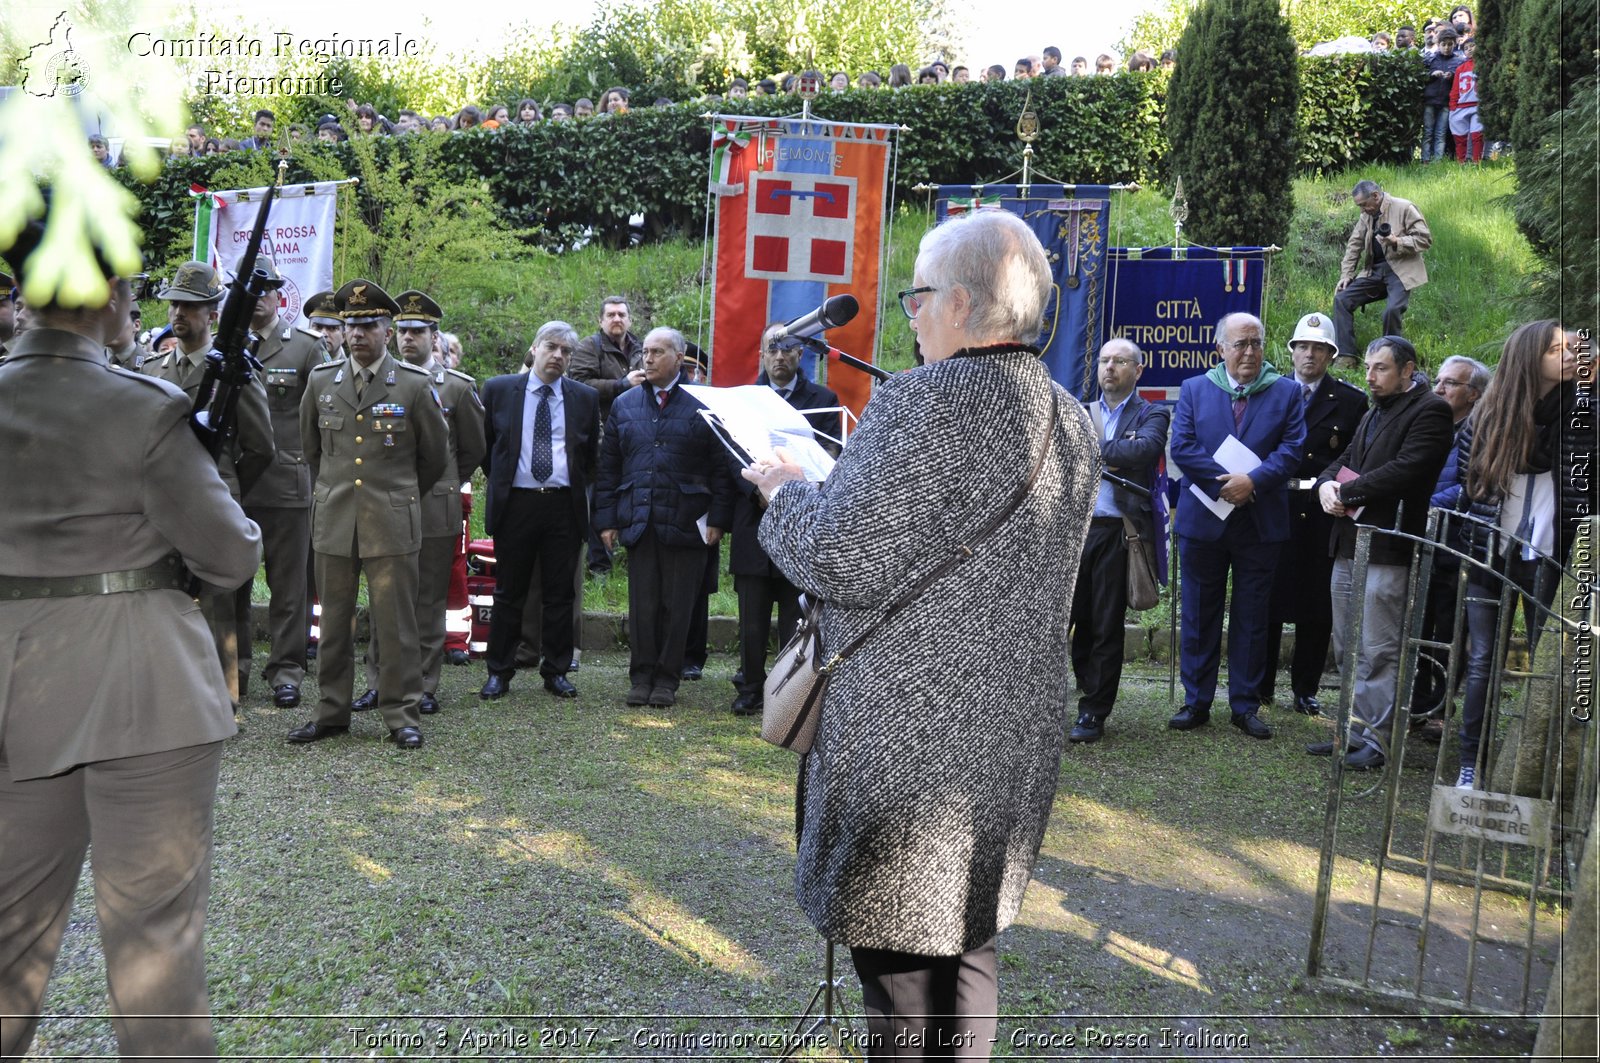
(376, 442)
(194, 298)
(280, 502)
(416, 324)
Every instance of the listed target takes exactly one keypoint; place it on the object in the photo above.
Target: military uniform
(280, 503)
(321, 309)
(441, 506)
(241, 464)
(1300, 587)
(124, 752)
(132, 357)
(375, 450)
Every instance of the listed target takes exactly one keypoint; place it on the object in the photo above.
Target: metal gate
(1455, 899)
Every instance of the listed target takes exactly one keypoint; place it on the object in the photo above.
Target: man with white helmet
(1300, 588)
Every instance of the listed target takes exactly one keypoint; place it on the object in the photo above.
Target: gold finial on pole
(283, 171)
(1027, 132)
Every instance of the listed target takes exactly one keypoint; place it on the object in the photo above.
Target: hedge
(561, 179)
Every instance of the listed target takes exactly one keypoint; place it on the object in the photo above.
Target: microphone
(840, 310)
(822, 348)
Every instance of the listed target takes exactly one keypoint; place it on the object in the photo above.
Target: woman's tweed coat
(934, 769)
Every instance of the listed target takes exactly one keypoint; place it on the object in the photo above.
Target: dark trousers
(1438, 625)
(1382, 284)
(530, 644)
(1099, 609)
(928, 1007)
(663, 582)
(285, 540)
(695, 648)
(1300, 597)
(538, 528)
(757, 596)
(149, 819)
(1204, 590)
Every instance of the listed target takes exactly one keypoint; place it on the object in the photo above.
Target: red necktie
(661, 398)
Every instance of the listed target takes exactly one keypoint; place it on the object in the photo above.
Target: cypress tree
(1231, 122)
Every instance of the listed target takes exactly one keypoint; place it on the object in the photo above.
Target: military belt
(169, 573)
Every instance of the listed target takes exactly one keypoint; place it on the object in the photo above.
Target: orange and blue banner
(800, 212)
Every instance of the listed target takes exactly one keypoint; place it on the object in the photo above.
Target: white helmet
(1318, 328)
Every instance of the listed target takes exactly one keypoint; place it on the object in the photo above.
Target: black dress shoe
(497, 686)
(639, 696)
(429, 704)
(663, 697)
(286, 696)
(738, 678)
(1366, 758)
(406, 737)
(1325, 749)
(1189, 717)
(560, 686)
(1307, 705)
(311, 651)
(573, 667)
(747, 705)
(457, 657)
(1252, 725)
(365, 701)
(1087, 729)
(692, 671)
(315, 732)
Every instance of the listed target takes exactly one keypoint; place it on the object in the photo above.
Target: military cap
(417, 308)
(269, 269)
(323, 309)
(361, 301)
(195, 282)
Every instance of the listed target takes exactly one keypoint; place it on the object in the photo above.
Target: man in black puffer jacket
(661, 470)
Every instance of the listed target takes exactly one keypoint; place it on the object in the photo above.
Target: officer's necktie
(363, 378)
(1305, 392)
(1238, 410)
(542, 462)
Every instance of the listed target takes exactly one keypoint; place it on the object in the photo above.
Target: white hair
(1001, 264)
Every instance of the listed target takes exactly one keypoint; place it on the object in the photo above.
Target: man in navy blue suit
(543, 434)
(1240, 524)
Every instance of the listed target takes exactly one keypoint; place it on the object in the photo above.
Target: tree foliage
(1555, 207)
(1310, 21)
(1231, 118)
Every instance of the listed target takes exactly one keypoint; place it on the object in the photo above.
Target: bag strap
(962, 552)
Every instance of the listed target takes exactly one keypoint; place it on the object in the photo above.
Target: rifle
(230, 364)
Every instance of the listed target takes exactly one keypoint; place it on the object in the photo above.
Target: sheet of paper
(704, 524)
(1217, 506)
(1235, 457)
(760, 421)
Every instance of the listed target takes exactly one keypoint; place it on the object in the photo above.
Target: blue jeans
(1435, 131)
(1537, 580)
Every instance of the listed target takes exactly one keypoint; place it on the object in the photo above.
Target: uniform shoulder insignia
(327, 365)
(463, 376)
(408, 367)
(305, 332)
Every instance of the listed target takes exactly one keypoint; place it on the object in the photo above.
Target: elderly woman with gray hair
(924, 800)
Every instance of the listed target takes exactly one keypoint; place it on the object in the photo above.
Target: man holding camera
(1386, 247)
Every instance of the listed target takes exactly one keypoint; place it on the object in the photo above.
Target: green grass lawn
(581, 866)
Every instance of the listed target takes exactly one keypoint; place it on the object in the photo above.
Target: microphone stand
(822, 349)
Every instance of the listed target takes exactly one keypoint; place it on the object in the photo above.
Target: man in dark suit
(543, 432)
(1384, 479)
(1299, 590)
(758, 582)
(1133, 438)
(661, 471)
(1232, 521)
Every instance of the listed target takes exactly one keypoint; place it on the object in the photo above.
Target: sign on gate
(1494, 817)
